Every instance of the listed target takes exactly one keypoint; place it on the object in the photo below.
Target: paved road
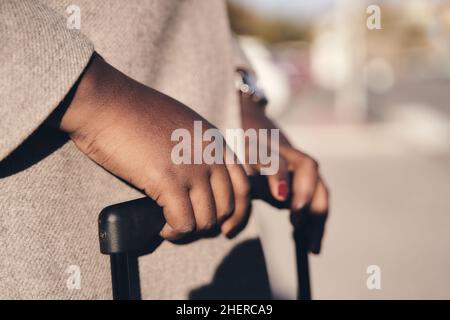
(390, 199)
(393, 212)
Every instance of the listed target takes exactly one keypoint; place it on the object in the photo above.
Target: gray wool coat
(51, 193)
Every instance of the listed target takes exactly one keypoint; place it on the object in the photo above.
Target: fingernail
(283, 190)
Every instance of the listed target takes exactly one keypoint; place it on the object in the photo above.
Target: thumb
(279, 182)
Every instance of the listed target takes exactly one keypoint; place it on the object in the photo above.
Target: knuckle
(312, 163)
(307, 160)
(184, 228)
(206, 225)
(168, 174)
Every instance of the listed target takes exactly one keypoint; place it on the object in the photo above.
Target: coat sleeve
(40, 60)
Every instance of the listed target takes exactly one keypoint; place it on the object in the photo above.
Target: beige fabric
(40, 61)
(50, 193)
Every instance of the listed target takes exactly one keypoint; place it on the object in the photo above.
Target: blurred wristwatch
(246, 84)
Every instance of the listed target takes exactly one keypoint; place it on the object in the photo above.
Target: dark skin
(308, 185)
(126, 128)
(310, 195)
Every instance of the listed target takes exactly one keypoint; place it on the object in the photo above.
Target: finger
(223, 193)
(279, 182)
(178, 213)
(241, 189)
(320, 200)
(250, 169)
(241, 192)
(202, 200)
(304, 183)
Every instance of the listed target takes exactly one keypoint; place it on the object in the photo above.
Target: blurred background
(372, 104)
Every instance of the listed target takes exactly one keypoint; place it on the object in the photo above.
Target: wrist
(89, 96)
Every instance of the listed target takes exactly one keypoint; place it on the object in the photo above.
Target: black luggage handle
(130, 229)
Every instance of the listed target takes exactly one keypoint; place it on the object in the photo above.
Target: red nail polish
(283, 190)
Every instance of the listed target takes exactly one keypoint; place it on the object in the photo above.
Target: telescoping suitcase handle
(130, 229)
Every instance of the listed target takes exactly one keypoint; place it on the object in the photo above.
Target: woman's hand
(310, 195)
(126, 128)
